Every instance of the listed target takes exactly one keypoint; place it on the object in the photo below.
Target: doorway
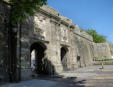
(64, 52)
(37, 58)
(79, 61)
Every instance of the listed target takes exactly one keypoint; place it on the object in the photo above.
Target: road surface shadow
(65, 82)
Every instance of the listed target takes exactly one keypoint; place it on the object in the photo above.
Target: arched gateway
(37, 58)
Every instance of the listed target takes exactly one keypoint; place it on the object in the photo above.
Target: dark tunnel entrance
(64, 51)
(37, 58)
(78, 60)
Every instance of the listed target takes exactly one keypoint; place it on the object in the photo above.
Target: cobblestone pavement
(92, 76)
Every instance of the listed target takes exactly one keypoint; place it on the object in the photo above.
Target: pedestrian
(102, 65)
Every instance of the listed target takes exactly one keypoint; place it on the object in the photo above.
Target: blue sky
(88, 14)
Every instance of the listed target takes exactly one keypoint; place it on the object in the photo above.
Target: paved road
(84, 77)
(92, 76)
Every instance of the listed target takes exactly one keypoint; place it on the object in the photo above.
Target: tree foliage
(22, 7)
(96, 37)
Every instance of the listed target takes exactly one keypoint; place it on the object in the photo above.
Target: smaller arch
(64, 51)
(79, 60)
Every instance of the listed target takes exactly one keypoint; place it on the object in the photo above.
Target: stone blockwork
(4, 21)
(65, 46)
(55, 32)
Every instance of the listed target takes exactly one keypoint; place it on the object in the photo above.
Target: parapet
(87, 36)
(50, 10)
(66, 19)
(82, 33)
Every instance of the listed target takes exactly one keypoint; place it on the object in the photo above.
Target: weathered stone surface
(53, 31)
(50, 10)
(4, 19)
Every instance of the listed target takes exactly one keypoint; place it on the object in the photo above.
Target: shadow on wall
(4, 20)
(39, 62)
(51, 75)
(48, 68)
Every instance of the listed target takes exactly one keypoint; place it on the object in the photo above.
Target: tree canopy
(96, 37)
(19, 8)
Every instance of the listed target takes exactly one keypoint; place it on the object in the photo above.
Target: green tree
(96, 37)
(22, 7)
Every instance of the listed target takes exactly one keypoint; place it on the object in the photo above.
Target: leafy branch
(22, 7)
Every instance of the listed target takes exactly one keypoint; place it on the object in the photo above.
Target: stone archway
(37, 58)
(64, 52)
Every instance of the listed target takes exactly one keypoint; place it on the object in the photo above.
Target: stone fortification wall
(4, 21)
(102, 50)
(82, 34)
(83, 43)
(87, 49)
(53, 32)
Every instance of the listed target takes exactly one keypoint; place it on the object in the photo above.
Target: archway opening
(37, 58)
(78, 60)
(64, 51)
